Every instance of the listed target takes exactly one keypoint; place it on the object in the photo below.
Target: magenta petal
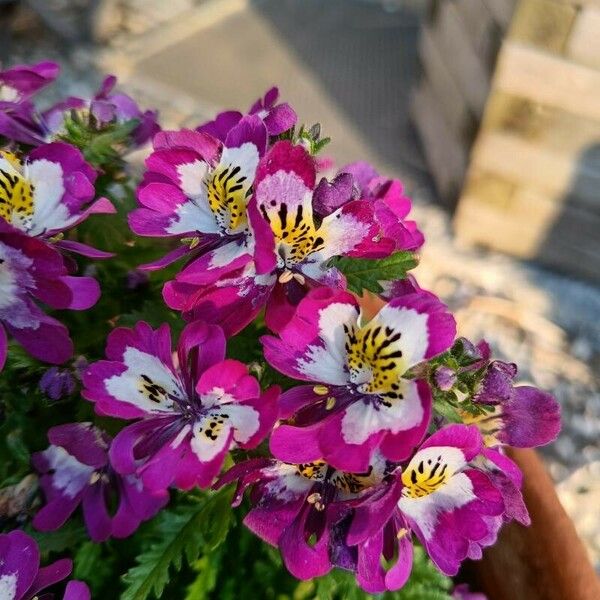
(204, 342)
(250, 129)
(55, 513)
(399, 446)
(296, 444)
(398, 575)
(201, 143)
(232, 377)
(371, 515)
(369, 574)
(122, 448)
(83, 441)
(354, 458)
(166, 260)
(269, 522)
(465, 437)
(50, 575)
(294, 399)
(83, 249)
(19, 554)
(50, 342)
(302, 560)
(530, 418)
(95, 513)
(77, 590)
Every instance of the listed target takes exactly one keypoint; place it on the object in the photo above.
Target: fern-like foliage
(187, 531)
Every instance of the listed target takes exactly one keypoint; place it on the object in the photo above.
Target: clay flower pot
(546, 561)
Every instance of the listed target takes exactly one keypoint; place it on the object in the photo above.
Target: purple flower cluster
(358, 468)
(22, 578)
(22, 122)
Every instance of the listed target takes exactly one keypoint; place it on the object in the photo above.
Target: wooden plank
(483, 30)
(584, 43)
(465, 65)
(449, 97)
(558, 130)
(543, 23)
(533, 164)
(446, 156)
(502, 10)
(529, 224)
(526, 71)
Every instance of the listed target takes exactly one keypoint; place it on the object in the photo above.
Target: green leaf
(68, 536)
(367, 274)
(188, 531)
(446, 410)
(93, 564)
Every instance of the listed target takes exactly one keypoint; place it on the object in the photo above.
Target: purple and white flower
(188, 414)
(49, 191)
(449, 495)
(18, 118)
(33, 270)
(196, 185)
(75, 470)
(359, 399)
(297, 507)
(22, 578)
(286, 247)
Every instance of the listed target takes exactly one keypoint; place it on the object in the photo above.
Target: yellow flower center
(16, 193)
(425, 477)
(227, 197)
(374, 360)
(295, 232)
(352, 483)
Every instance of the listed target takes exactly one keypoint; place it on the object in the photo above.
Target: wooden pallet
(458, 50)
(532, 186)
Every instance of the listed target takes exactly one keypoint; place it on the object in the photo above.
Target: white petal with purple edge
(49, 213)
(412, 325)
(361, 419)
(70, 476)
(195, 214)
(209, 436)
(225, 255)
(245, 157)
(245, 421)
(326, 363)
(443, 492)
(287, 484)
(147, 383)
(342, 232)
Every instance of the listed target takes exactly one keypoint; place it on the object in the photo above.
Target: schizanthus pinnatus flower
(18, 118)
(75, 470)
(22, 578)
(48, 191)
(189, 413)
(359, 398)
(43, 194)
(257, 227)
(32, 270)
(298, 506)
